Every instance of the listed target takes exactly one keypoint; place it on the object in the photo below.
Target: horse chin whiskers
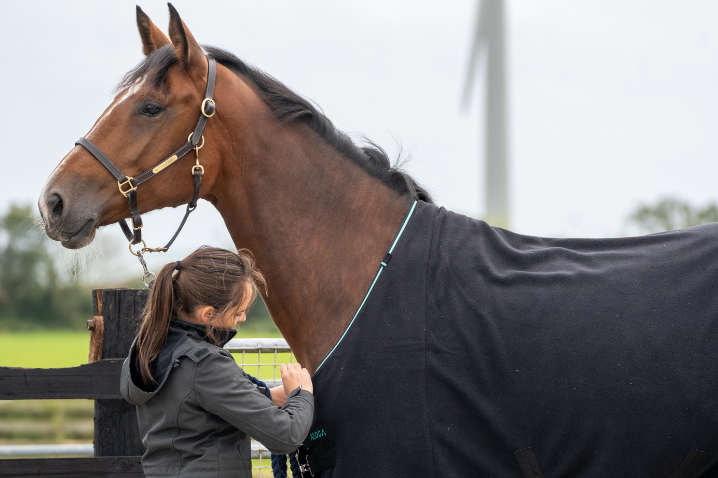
(80, 262)
(38, 223)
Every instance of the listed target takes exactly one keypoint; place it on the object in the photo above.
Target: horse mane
(288, 106)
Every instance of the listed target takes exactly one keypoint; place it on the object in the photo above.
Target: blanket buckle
(305, 467)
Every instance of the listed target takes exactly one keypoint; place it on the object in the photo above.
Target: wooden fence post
(116, 430)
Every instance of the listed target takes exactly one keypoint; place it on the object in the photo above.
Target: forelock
(152, 70)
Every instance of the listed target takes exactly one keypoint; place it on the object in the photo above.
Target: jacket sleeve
(222, 389)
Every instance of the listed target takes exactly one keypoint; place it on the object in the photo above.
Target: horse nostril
(54, 207)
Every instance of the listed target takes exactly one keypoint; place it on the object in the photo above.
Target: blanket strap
(528, 463)
(384, 263)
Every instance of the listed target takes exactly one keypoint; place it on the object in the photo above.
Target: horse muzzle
(73, 229)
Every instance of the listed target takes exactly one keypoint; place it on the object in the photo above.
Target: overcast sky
(612, 102)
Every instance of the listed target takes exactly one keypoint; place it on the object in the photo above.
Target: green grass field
(69, 348)
(44, 349)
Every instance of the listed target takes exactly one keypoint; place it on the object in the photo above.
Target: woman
(196, 408)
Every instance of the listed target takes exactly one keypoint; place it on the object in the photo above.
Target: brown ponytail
(210, 276)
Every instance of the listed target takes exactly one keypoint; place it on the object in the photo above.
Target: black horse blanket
(481, 352)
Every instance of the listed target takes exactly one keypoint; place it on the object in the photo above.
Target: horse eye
(151, 110)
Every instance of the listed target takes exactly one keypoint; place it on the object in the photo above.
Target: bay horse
(477, 351)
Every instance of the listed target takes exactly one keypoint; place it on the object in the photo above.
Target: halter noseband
(128, 185)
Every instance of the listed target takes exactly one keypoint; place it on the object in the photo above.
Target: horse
(439, 345)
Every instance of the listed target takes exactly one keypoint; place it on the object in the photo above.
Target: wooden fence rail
(92, 381)
(116, 440)
(105, 467)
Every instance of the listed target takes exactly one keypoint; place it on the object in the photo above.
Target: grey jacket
(197, 420)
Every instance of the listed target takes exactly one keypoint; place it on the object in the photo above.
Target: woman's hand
(293, 375)
(279, 396)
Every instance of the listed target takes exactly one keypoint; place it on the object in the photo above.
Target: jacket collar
(199, 332)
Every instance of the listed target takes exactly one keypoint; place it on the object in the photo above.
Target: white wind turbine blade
(478, 50)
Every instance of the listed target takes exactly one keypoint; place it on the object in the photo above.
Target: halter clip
(197, 166)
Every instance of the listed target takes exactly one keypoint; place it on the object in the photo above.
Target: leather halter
(128, 185)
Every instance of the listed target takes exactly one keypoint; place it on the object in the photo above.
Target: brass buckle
(199, 146)
(204, 103)
(125, 192)
(198, 167)
(134, 228)
(303, 468)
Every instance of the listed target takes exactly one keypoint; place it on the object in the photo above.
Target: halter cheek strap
(128, 185)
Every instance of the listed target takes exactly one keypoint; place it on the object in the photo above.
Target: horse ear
(187, 50)
(152, 37)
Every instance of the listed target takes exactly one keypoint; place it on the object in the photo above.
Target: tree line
(35, 292)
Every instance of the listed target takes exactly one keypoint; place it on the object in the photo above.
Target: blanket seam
(376, 278)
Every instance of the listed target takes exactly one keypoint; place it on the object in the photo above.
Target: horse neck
(317, 224)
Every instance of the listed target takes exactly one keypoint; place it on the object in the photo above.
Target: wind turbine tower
(489, 46)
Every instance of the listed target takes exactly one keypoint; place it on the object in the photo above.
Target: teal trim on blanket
(381, 268)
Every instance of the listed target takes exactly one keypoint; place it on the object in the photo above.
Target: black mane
(287, 106)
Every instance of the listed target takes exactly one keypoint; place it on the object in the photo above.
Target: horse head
(157, 106)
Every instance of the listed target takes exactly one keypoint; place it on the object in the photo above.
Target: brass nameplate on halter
(164, 164)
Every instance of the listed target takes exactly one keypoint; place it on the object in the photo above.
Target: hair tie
(178, 267)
